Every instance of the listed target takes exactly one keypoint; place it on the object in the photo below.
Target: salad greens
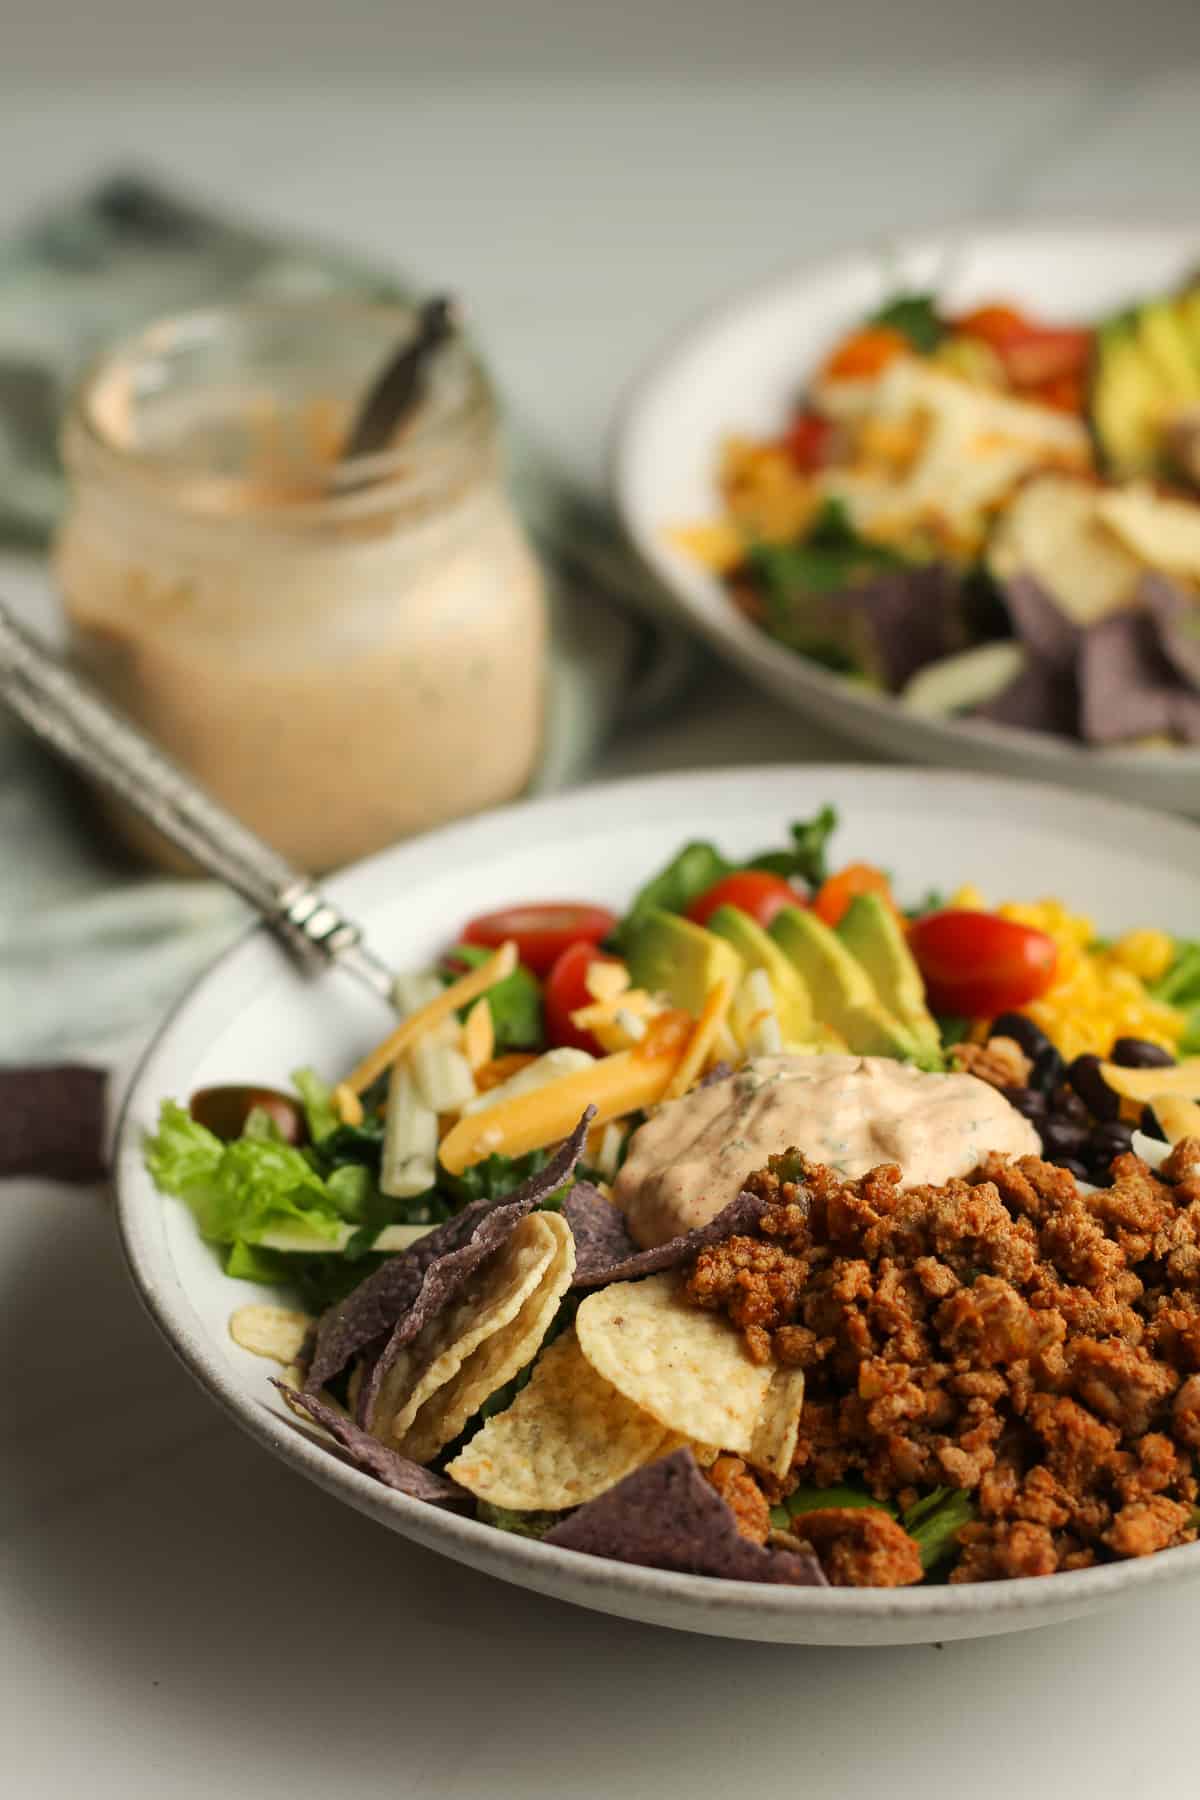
(916, 317)
(515, 1003)
(319, 1109)
(306, 1218)
(1180, 987)
(933, 1522)
(830, 556)
(695, 868)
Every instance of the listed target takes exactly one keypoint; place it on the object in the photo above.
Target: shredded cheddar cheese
(460, 993)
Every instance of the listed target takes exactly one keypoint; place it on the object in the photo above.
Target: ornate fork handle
(72, 717)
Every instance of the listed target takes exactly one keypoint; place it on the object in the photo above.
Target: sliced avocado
(1146, 369)
(1164, 334)
(793, 1003)
(669, 955)
(871, 932)
(1128, 397)
(843, 994)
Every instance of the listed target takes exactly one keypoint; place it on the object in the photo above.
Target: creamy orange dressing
(342, 652)
(852, 1112)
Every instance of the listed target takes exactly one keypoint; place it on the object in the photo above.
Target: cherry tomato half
(1033, 355)
(866, 353)
(976, 965)
(542, 931)
(564, 991)
(833, 897)
(1046, 356)
(995, 325)
(807, 441)
(753, 891)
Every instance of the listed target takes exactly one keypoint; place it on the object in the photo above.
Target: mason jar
(343, 651)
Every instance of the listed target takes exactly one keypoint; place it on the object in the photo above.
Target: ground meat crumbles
(1009, 1335)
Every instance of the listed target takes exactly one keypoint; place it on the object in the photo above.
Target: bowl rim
(256, 961)
(787, 672)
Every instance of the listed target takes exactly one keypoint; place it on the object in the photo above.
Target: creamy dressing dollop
(851, 1112)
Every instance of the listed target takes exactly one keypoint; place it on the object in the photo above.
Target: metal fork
(71, 716)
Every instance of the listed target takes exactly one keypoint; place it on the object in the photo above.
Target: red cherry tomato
(753, 891)
(542, 931)
(807, 441)
(564, 991)
(1033, 355)
(996, 325)
(1066, 393)
(977, 965)
(833, 897)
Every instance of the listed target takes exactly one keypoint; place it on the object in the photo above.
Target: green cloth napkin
(90, 954)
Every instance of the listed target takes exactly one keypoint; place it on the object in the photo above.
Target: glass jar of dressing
(342, 652)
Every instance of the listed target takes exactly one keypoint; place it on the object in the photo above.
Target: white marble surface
(178, 1616)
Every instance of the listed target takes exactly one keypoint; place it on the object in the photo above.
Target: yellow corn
(968, 898)
(1098, 995)
(1148, 953)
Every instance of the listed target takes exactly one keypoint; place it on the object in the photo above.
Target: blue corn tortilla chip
(367, 1453)
(1051, 638)
(443, 1282)
(409, 1289)
(1041, 698)
(604, 1250)
(1176, 620)
(913, 617)
(1128, 687)
(667, 1516)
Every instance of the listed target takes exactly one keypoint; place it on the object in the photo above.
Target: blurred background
(591, 175)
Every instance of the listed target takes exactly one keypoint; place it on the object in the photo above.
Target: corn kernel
(1147, 953)
(968, 898)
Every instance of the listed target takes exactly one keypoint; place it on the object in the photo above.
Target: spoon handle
(73, 718)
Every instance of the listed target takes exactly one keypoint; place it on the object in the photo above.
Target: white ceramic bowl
(253, 1018)
(739, 368)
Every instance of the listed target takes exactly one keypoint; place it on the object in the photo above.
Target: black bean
(1048, 1070)
(1085, 1077)
(1063, 1137)
(1148, 1123)
(1139, 1053)
(1028, 1102)
(1023, 1031)
(1073, 1166)
(225, 1110)
(1067, 1104)
(1111, 1139)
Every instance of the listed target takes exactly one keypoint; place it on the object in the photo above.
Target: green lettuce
(695, 868)
(241, 1192)
(934, 1523)
(1180, 987)
(319, 1109)
(514, 1003)
(916, 317)
(521, 1524)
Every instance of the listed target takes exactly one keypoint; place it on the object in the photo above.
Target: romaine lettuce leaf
(319, 1110)
(241, 1190)
(934, 1523)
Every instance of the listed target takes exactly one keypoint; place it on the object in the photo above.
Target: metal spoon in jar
(395, 391)
(69, 715)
